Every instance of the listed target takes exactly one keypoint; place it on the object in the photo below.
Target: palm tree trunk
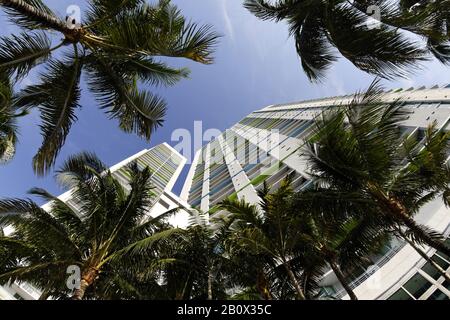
(87, 279)
(186, 289)
(398, 210)
(420, 233)
(341, 277)
(300, 294)
(44, 295)
(261, 286)
(210, 281)
(426, 257)
(32, 12)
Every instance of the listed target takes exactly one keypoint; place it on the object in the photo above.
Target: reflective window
(431, 270)
(417, 285)
(443, 255)
(18, 296)
(400, 295)
(438, 295)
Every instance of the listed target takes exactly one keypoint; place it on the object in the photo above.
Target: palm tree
(362, 165)
(309, 241)
(323, 30)
(109, 232)
(199, 267)
(343, 245)
(115, 47)
(416, 245)
(8, 121)
(8, 128)
(271, 231)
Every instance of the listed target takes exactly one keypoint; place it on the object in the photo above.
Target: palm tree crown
(363, 165)
(8, 128)
(8, 120)
(199, 267)
(271, 232)
(294, 244)
(371, 42)
(114, 47)
(108, 236)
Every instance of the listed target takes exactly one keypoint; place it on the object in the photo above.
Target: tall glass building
(265, 146)
(166, 165)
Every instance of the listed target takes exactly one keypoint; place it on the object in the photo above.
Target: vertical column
(204, 205)
(245, 190)
(190, 177)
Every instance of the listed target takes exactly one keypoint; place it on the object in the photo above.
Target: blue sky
(256, 65)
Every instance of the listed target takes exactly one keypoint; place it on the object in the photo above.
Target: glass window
(400, 295)
(432, 271)
(443, 255)
(428, 268)
(446, 285)
(18, 297)
(438, 295)
(420, 134)
(417, 285)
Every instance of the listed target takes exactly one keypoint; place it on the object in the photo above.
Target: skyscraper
(265, 146)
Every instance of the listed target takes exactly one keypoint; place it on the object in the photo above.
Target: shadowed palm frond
(21, 53)
(57, 99)
(376, 45)
(32, 14)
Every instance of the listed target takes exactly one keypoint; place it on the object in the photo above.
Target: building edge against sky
(264, 146)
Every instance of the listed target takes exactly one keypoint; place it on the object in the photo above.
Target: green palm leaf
(57, 99)
(138, 112)
(32, 14)
(21, 53)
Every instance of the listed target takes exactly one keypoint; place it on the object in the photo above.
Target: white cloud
(227, 20)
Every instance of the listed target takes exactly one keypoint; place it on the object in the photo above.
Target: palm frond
(58, 112)
(57, 99)
(313, 48)
(103, 11)
(78, 168)
(242, 210)
(381, 51)
(137, 111)
(32, 14)
(8, 121)
(161, 30)
(266, 11)
(21, 53)
(153, 72)
(142, 114)
(60, 210)
(147, 243)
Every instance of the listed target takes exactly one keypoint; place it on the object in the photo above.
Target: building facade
(166, 165)
(265, 146)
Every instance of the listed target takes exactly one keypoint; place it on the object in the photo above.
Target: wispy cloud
(227, 20)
